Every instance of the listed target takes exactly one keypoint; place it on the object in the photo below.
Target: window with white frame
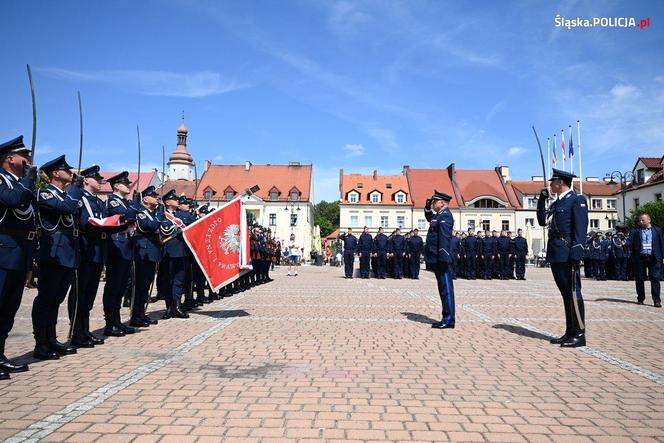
(401, 221)
(353, 221)
(294, 196)
(596, 203)
(612, 223)
(486, 225)
(530, 221)
(421, 224)
(353, 197)
(531, 202)
(375, 197)
(273, 219)
(636, 202)
(400, 197)
(594, 223)
(274, 196)
(611, 203)
(368, 222)
(293, 219)
(229, 195)
(384, 221)
(471, 224)
(207, 195)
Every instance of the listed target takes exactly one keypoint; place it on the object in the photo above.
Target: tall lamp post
(623, 178)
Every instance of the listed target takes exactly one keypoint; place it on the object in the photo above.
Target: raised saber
(34, 114)
(75, 288)
(138, 188)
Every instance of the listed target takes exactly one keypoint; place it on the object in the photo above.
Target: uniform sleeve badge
(115, 203)
(141, 215)
(45, 195)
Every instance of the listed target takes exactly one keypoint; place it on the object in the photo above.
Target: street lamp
(623, 178)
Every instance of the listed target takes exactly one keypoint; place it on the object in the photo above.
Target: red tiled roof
(651, 162)
(283, 177)
(146, 178)
(370, 184)
(186, 187)
(423, 182)
(474, 183)
(591, 188)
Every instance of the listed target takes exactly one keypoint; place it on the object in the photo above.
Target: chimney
(537, 178)
(404, 169)
(505, 173)
(592, 179)
(341, 183)
(206, 165)
(293, 163)
(247, 165)
(375, 174)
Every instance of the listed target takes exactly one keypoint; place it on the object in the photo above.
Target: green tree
(654, 209)
(326, 215)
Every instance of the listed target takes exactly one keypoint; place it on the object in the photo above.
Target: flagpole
(555, 150)
(562, 147)
(578, 140)
(570, 150)
(548, 153)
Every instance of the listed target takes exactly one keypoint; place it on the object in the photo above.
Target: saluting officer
(437, 253)
(93, 254)
(350, 244)
(365, 245)
(58, 254)
(147, 252)
(380, 244)
(520, 253)
(175, 257)
(567, 220)
(17, 237)
(120, 255)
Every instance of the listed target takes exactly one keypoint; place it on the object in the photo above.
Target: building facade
(482, 199)
(647, 185)
(284, 202)
(181, 164)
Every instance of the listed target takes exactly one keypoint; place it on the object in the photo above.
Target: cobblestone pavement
(321, 358)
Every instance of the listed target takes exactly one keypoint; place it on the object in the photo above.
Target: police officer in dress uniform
(93, 244)
(415, 248)
(481, 262)
(503, 248)
(120, 255)
(147, 252)
(396, 248)
(470, 248)
(380, 245)
(455, 249)
(437, 253)
(184, 213)
(365, 246)
(17, 237)
(567, 220)
(520, 253)
(175, 257)
(58, 254)
(619, 248)
(350, 245)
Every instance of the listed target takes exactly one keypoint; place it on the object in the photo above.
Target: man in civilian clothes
(567, 220)
(437, 253)
(350, 245)
(647, 246)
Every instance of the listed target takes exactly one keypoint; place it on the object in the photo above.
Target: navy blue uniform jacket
(17, 248)
(439, 246)
(567, 220)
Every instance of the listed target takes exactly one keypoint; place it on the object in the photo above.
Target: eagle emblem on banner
(230, 241)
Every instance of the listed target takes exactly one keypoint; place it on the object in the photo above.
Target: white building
(647, 185)
(180, 163)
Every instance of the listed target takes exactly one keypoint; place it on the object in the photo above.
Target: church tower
(180, 163)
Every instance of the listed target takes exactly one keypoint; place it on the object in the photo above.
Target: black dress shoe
(559, 340)
(639, 302)
(574, 342)
(441, 325)
(7, 366)
(658, 305)
(137, 322)
(177, 311)
(81, 341)
(86, 331)
(149, 320)
(121, 326)
(113, 331)
(4, 375)
(60, 348)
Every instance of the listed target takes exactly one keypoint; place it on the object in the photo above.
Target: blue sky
(341, 84)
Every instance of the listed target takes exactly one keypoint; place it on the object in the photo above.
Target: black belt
(153, 236)
(101, 235)
(72, 232)
(23, 233)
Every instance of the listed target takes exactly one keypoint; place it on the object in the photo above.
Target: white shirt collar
(11, 174)
(562, 195)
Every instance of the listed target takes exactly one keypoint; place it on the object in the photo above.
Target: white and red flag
(220, 243)
(106, 222)
(175, 220)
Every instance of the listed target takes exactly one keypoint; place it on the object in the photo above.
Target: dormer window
(388, 185)
(207, 195)
(375, 197)
(274, 196)
(353, 197)
(400, 197)
(229, 193)
(294, 196)
(360, 186)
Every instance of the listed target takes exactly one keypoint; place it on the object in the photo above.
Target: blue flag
(571, 144)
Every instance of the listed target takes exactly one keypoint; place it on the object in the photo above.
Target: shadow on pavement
(419, 318)
(518, 330)
(223, 314)
(616, 300)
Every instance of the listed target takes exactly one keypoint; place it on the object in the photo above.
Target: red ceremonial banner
(216, 241)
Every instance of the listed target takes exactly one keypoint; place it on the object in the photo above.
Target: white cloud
(354, 150)
(345, 17)
(218, 158)
(163, 83)
(621, 91)
(385, 138)
(516, 151)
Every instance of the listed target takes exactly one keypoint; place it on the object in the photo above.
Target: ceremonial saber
(76, 280)
(546, 183)
(138, 189)
(34, 114)
(576, 271)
